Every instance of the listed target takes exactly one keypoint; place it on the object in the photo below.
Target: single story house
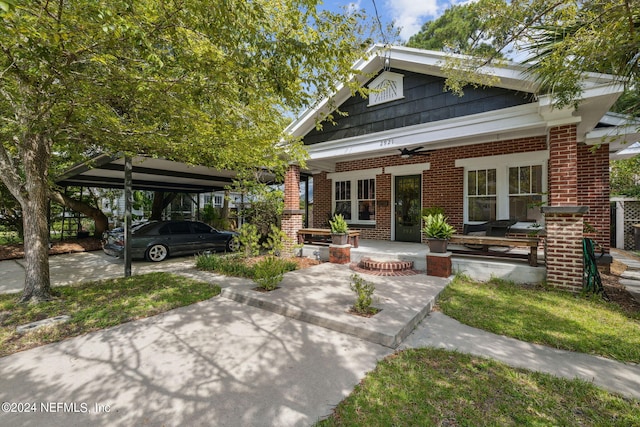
(499, 152)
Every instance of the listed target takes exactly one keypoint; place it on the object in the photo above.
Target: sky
(409, 15)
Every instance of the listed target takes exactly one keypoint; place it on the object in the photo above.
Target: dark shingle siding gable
(425, 101)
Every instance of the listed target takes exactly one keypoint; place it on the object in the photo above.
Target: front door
(407, 208)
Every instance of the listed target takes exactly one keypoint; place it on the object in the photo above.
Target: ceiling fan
(405, 153)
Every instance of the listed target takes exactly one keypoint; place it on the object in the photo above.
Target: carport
(143, 173)
(151, 174)
(147, 173)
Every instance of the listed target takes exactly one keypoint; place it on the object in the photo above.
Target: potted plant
(438, 232)
(339, 230)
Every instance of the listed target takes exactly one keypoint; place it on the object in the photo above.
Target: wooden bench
(487, 241)
(306, 235)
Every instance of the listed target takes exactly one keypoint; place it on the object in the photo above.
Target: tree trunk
(160, 201)
(99, 218)
(37, 286)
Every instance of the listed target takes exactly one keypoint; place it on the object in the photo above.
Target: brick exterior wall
(442, 185)
(578, 176)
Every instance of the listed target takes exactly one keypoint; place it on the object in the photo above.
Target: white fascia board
(514, 159)
(412, 169)
(618, 138)
(357, 174)
(479, 127)
(609, 135)
(624, 152)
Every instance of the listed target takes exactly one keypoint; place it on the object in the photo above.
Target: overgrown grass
(97, 305)
(239, 266)
(434, 387)
(581, 323)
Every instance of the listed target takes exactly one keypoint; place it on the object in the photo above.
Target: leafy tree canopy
(564, 39)
(198, 81)
(458, 30)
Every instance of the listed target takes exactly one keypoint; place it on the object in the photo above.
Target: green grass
(97, 305)
(433, 387)
(585, 324)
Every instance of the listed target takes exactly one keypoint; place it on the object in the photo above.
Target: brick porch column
(563, 217)
(292, 214)
(565, 262)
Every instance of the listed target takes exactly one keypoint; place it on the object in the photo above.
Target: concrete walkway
(254, 362)
(630, 278)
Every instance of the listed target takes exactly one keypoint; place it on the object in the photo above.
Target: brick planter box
(439, 265)
(340, 254)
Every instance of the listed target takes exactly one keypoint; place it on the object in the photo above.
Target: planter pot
(339, 239)
(438, 246)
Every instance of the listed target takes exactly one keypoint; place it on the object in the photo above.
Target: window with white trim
(357, 206)
(481, 194)
(508, 186)
(525, 193)
(366, 199)
(343, 199)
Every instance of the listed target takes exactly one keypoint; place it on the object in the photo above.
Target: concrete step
(631, 274)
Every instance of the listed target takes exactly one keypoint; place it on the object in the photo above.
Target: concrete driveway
(81, 267)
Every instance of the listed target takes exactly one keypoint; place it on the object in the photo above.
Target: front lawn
(434, 387)
(585, 324)
(97, 305)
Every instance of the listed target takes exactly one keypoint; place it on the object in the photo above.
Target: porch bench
(486, 241)
(306, 235)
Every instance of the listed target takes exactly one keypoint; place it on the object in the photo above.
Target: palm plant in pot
(438, 232)
(339, 230)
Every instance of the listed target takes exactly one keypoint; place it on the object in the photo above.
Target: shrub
(236, 265)
(269, 272)
(249, 239)
(275, 241)
(230, 265)
(364, 294)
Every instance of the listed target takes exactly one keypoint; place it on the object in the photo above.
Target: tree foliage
(625, 177)
(458, 30)
(564, 40)
(199, 81)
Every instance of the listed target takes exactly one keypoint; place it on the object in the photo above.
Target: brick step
(384, 268)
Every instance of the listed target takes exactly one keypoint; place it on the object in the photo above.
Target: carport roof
(104, 171)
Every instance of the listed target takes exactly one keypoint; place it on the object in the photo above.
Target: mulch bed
(15, 251)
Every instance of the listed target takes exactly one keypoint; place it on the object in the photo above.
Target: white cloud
(354, 6)
(409, 15)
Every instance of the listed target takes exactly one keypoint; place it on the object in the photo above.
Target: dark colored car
(158, 240)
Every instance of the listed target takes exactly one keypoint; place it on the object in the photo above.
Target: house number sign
(386, 142)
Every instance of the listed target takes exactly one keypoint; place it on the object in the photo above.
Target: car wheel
(233, 245)
(157, 253)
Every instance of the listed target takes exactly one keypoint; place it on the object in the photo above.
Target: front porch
(477, 267)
